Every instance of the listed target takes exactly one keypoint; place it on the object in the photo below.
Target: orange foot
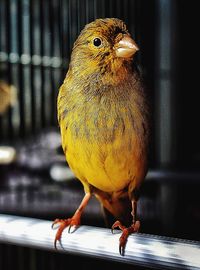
(74, 221)
(63, 223)
(125, 233)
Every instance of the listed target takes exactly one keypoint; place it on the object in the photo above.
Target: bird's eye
(97, 42)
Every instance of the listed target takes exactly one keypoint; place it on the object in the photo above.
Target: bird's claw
(70, 226)
(55, 243)
(125, 233)
(56, 221)
(63, 223)
(121, 249)
(117, 224)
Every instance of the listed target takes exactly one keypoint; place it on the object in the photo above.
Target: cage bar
(141, 249)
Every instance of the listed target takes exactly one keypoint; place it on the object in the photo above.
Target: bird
(103, 114)
(8, 96)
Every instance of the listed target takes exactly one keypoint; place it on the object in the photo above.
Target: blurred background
(36, 39)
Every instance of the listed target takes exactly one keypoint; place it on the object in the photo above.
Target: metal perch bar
(141, 249)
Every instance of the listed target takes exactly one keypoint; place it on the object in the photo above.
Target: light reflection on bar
(145, 250)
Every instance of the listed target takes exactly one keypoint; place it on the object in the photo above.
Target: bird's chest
(107, 125)
(103, 145)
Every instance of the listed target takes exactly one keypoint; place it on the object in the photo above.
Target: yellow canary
(103, 117)
(8, 96)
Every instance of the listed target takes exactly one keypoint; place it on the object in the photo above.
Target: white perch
(141, 249)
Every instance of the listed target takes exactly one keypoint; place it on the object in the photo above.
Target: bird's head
(103, 46)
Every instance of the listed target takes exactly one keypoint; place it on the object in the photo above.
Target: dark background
(36, 38)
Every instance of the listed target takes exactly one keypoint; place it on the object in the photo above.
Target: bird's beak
(126, 47)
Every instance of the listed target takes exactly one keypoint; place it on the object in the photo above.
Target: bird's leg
(126, 231)
(74, 221)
